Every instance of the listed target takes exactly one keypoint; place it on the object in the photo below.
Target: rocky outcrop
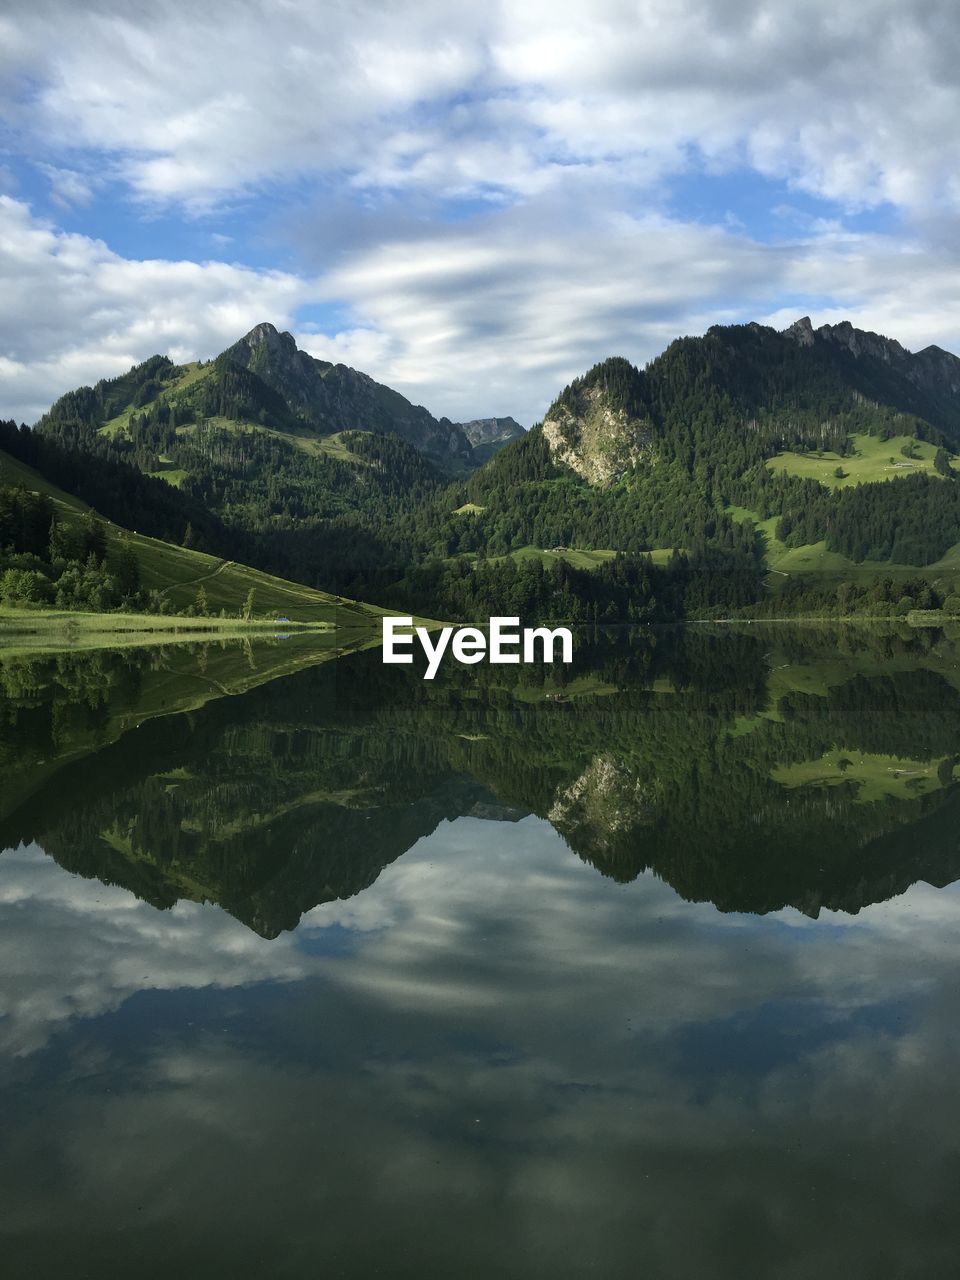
(489, 435)
(861, 342)
(598, 426)
(802, 332)
(602, 816)
(933, 370)
(484, 431)
(599, 442)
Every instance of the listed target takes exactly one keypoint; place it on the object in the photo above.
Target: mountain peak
(843, 334)
(802, 332)
(262, 331)
(267, 335)
(330, 398)
(862, 341)
(491, 430)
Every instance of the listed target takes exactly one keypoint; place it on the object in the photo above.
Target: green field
(168, 472)
(572, 555)
(579, 557)
(332, 446)
(178, 572)
(873, 460)
(876, 776)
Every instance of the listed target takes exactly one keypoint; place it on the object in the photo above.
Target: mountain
(262, 474)
(744, 469)
(934, 372)
(332, 397)
(809, 470)
(304, 465)
(265, 381)
(491, 430)
(801, 387)
(489, 435)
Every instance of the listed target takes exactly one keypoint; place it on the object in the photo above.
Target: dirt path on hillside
(204, 577)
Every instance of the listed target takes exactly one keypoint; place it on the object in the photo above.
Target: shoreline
(60, 631)
(68, 630)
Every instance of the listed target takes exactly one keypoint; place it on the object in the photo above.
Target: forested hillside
(57, 550)
(747, 469)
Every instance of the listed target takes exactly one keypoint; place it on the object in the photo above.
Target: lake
(643, 967)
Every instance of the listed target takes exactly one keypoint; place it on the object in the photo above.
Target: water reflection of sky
(492, 1062)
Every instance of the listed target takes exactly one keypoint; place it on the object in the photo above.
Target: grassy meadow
(873, 460)
(876, 777)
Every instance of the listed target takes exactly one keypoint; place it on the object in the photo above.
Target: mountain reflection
(753, 768)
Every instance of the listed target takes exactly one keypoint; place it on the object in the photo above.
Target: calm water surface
(649, 969)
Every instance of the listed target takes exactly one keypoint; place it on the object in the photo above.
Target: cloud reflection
(517, 1067)
(73, 948)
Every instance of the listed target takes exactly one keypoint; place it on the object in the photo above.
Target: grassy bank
(51, 629)
(25, 630)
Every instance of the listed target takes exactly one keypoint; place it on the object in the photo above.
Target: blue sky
(471, 205)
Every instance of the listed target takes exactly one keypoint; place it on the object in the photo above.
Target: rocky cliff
(598, 426)
(491, 430)
(934, 373)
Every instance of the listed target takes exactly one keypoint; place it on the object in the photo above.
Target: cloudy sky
(472, 203)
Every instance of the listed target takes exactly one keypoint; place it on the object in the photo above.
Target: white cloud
(853, 103)
(494, 318)
(258, 91)
(73, 311)
(67, 186)
(497, 316)
(567, 119)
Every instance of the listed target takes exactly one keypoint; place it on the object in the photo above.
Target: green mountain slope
(178, 572)
(333, 397)
(302, 461)
(796, 426)
(826, 455)
(265, 381)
